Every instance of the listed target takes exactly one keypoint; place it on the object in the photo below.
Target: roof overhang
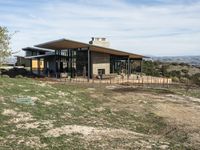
(42, 56)
(64, 44)
(37, 49)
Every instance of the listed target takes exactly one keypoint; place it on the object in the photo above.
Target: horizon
(157, 27)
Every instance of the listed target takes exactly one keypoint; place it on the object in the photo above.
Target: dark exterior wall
(81, 63)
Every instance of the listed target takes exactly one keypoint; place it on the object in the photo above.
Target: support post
(31, 65)
(141, 66)
(38, 63)
(56, 64)
(67, 61)
(71, 62)
(89, 64)
(31, 69)
(128, 67)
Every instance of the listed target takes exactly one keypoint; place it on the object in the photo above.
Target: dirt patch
(111, 87)
(61, 94)
(18, 116)
(22, 117)
(9, 112)
(129, 89)
(1, 99)
(47, 124)
(99, 109)
(42, 84)
(48, 103)
(89, 132)
(27, 90)
(33, 142)
(108, 135)
(182, 98)
(181, 114)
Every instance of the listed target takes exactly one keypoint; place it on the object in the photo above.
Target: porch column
(38, 64)
(31, 65)
(89, 64)
(31, 69)
(68, 61)
(56, 65)
(71, 62)
(141, 65)
(128, 67)
(59, 55)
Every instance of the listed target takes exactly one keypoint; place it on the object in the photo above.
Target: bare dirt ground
(179, 111)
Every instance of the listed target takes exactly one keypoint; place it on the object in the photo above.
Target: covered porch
(77, 59)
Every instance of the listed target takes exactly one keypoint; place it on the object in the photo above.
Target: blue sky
(149, 27)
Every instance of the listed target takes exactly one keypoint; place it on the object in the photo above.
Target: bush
(151, 68)
(19, 76)
(174, 64)
(185, 71)
(175, 73)
(5, 76)
(175, 79)
(196, 79)
(183, 80)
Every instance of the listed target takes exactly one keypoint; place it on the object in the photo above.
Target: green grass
(74, 100)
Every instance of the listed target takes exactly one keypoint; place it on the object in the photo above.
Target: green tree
(151, 68)
(5, 50)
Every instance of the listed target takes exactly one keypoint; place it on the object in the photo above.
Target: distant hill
(192, 60)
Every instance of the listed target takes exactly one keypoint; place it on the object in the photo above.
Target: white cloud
(145, 29)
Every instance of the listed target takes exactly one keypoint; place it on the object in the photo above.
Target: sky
(148, 27)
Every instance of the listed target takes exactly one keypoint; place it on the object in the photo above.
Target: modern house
(74, 58)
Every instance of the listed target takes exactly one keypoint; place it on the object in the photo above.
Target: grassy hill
(179, 72)
(49, 115)
(191, 60)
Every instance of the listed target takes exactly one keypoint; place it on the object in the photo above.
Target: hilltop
(191, 60)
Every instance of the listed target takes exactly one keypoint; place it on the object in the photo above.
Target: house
(75, 58)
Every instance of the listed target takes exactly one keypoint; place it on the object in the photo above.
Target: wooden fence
(123, 79)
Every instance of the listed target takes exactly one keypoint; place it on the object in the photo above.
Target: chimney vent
(100, 41)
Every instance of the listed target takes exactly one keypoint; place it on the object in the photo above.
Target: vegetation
(48, 115)
(179, 74)
(4, 44)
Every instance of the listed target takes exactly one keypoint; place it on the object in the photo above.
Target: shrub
(185, 71)
(174, 64)
(183, 80)
(19, 76)
(175, 79)
(5, 76)
(196, 79)
(175, 73)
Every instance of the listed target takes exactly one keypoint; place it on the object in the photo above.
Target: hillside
(51, 115)
(192, 60)
(179, 72)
